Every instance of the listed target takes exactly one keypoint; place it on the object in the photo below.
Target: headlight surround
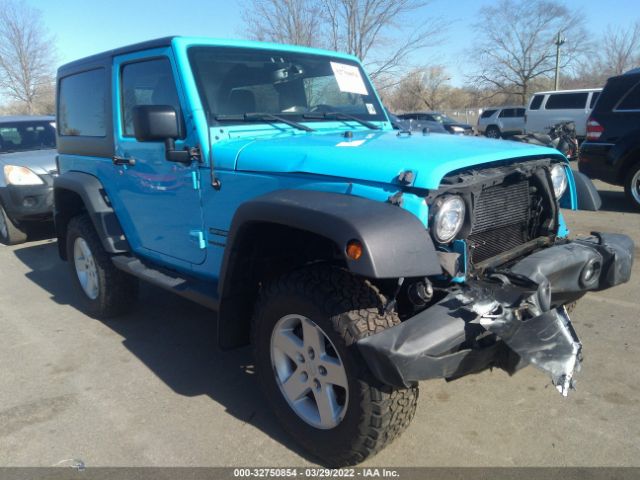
(15, 175)
(559, 180)
(449, 218)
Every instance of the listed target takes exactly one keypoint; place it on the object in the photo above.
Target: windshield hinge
(195, 154)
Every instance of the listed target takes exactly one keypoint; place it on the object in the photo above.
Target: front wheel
(492, 132)
(304, 332)
(106, 291)
(632, 185)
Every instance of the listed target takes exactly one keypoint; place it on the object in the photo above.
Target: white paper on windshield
(370, 108)
(349, 78)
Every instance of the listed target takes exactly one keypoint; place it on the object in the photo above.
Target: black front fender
(395, 243)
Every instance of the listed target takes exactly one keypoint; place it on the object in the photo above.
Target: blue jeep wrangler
(266, 182)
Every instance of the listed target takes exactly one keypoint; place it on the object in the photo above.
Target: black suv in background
(612, 150)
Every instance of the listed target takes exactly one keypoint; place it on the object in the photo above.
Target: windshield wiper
(341, 116)
(267, 117)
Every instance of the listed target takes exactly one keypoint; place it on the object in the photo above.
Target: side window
(536, 102)
(519, 112)
(506, 113)
(631, 100)
(81, 104)
(149, 82)
(594, 99)
(560, 101)
(487, 113)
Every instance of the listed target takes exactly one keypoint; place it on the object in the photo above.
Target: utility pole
(559, 41)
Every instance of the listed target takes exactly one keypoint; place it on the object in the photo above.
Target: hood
(372, 156)
(39, 161)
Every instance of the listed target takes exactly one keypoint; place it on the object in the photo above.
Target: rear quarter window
(561, 101)
(487, 113)
(82, 104)
(594, 99)
(536, 101)
(631, 101)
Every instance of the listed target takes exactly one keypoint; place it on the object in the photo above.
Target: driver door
(159, 200)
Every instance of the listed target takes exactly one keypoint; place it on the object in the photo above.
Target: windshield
(236, 81)
(440, 118)
(21, 136)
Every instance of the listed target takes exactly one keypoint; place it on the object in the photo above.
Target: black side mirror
(153, 123)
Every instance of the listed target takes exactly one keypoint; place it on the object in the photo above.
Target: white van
(548, 108)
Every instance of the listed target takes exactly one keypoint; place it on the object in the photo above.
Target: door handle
(123, 161)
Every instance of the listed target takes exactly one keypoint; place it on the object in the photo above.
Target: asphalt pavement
(152, 388)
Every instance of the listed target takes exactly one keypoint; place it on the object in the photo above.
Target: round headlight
(448, 219)
(559, 180)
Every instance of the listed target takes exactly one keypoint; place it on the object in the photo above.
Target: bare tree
(296, 22)
(517, 44)
(422, 88)
(26, 55)
(369, 29)
(621, 49)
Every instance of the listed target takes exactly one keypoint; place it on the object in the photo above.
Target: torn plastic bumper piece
(520, 307)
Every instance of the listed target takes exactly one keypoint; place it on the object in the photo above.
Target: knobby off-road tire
(115, 292)
(10, 233)
(345, 308)
(632, 185)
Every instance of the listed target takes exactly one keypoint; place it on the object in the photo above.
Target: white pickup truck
(549, 108)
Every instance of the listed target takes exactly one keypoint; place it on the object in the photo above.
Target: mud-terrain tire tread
(385, 411)
(118, 291)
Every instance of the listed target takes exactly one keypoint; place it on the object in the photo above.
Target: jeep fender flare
(395, 244)
(77, 192)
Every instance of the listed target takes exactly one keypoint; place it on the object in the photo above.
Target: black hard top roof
(93, 59)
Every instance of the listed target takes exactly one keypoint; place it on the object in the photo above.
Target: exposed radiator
(501, 220)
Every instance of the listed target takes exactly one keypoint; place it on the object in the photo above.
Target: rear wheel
(106, 291)
(10, 233)
(492, 132)
(305, 328)
(632, 185)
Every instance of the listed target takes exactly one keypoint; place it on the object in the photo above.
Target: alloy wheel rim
(309, 371)
(635, 187)
(4, 229)
(86, 268)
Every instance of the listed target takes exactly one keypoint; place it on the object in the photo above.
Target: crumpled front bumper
(511, 318)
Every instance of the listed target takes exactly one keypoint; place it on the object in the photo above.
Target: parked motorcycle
(561, 136)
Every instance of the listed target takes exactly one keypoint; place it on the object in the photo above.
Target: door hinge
(198, 236)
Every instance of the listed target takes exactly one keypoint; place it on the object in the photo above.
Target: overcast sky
(84, 27)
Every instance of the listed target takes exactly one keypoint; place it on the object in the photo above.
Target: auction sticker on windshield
(349, 78)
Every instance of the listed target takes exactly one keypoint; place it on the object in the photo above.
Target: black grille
(501, 220)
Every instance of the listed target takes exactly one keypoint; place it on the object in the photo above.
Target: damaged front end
(507, 317)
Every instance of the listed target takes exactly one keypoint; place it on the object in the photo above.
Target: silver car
(27, 168)
(499, 122)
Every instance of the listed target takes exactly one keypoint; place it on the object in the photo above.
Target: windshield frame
(371, 98)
